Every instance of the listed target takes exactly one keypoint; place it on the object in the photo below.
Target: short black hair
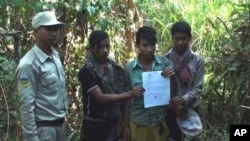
(96, 37)
(146, 32)
(182, 27)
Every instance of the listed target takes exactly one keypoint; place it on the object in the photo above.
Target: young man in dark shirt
(104, 86)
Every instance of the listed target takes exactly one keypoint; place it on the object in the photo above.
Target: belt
(94, 119)
(44, 123)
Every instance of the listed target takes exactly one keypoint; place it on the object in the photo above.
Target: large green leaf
(91, 10)
(3, 116)
(240, 79)
(3, 4)
(38, 6)
(17, 3)
(104, 24)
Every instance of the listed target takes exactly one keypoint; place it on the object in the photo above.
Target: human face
(147, 49)
(181, 42)
(101, 53)
(47, 35)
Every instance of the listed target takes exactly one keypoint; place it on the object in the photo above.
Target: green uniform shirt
(138, 114)
(41, 89)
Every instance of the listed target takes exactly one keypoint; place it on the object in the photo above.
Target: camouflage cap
(46, 18)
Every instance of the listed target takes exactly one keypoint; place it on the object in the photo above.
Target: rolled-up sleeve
(26, 85)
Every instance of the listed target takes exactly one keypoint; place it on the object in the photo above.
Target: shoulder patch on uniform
(24, 81)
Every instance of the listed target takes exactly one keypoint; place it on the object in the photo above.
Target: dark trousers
(95, 130)
(174, 130)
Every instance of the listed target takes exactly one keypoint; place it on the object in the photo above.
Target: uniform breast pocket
(49, 80)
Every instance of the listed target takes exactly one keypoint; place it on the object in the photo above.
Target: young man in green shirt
(145, 124)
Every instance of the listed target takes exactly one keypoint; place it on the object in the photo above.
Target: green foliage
(9, 116)
(3, 4)
(229, 63)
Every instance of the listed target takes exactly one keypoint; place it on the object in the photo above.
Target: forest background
(220, 34)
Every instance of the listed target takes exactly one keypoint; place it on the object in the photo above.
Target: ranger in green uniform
(41, 84)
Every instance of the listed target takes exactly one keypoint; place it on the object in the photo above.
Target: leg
(95, 131)
(158, 133)
(196, 109)
(61, 132)
(46, 133)
(138, 132)
(175, 132)
(149, 133)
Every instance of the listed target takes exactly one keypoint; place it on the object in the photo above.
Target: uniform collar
(41, 55)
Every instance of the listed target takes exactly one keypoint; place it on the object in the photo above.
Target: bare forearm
(109, 98)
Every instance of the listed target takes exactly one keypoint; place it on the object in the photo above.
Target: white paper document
(157, 89)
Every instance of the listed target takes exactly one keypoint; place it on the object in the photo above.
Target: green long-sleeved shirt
(138, 114)
(41, 89)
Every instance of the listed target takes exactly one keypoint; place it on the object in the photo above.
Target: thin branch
(9, 33)
(246, 107)
(8, 118)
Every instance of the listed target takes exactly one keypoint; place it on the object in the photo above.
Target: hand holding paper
(157, 89)
(137, 91)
